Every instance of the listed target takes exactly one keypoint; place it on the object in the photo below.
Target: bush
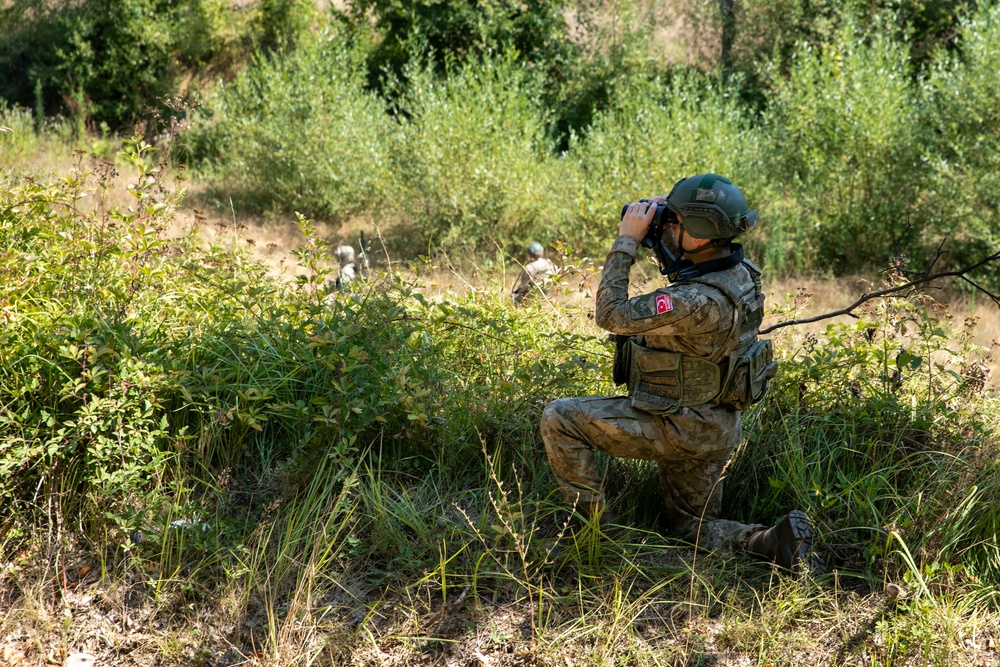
(134, 364)
(844, 156)
(460, 30)
(962, 102)
(281, 23)
(876, 427)
(298, 131)
(475, 159)
(768, 29)
(657, 133)
(104, 62)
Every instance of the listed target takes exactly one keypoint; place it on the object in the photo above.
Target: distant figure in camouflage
(535, 270)
(690, 356)
(348, 265)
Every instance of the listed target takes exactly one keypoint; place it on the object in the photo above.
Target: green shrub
(608, 56)
(475, 159)
(844, 155)
(878, 426)
(767, 29)
(962, 102)
(105, 61)
(298, 131)
(657, 133)
(81, 408)
(281, 23)
(133, 364)
(460, 30)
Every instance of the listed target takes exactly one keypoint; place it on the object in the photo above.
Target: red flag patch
(663, 304)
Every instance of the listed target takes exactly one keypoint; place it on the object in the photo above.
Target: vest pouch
(762, 368)
(736, 393)
(751, 375)
(662, 382)
(623, 358)
(701, 379)
(654, 383)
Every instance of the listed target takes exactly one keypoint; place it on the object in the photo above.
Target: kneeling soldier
(690, 355)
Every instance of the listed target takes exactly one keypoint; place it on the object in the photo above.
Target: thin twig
(868, 296)
(388, 260)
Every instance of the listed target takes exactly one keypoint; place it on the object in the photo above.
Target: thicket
(459, 29)
(109, 64)
(301, 132)
(853, 155)
(225, 433)
(860, 131)
(134, 363)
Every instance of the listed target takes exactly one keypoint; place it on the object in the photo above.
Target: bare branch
(895, 291)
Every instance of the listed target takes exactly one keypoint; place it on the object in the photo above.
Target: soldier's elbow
(604, 320)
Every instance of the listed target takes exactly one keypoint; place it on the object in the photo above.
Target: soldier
(538, 267)
(693, 362)
(348, 266)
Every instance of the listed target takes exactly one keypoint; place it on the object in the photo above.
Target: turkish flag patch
(663, 304)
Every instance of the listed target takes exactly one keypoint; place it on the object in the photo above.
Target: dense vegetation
(848, 142)
(277, 470)
(857, 132)
(260, 449)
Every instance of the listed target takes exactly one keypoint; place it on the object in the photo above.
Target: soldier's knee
(554, 414)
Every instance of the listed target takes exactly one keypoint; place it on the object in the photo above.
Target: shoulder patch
(640, 309)
(651, 305)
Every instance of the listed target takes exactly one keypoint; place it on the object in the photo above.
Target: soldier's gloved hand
(636, 220)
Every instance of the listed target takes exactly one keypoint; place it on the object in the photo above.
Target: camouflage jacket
(693, 317)
(533, 272)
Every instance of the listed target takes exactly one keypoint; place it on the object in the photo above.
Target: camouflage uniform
(691, 444)
(348, 265)
(533, 271)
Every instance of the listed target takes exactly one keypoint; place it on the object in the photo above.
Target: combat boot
(789, 543)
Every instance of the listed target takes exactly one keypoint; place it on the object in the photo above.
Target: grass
(360, 478)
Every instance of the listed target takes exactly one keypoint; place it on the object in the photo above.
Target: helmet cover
(711, 207)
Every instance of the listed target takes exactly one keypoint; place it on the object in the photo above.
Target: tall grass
(24, 142)
(330, 471)
(17, 135)
(873, 431)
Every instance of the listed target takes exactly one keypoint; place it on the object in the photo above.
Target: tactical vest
(662, 382)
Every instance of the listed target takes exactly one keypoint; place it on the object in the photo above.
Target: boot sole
(804, 534)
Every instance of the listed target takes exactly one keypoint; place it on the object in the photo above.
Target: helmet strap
(713, 244)
(680, 243)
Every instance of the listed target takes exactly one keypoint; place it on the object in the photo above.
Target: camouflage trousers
(690, 448)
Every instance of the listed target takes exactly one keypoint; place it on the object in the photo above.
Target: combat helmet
(535, 249)
(711, 207)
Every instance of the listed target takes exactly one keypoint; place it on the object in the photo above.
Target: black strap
(689, 269)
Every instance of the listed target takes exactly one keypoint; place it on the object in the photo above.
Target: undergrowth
(330, 474)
